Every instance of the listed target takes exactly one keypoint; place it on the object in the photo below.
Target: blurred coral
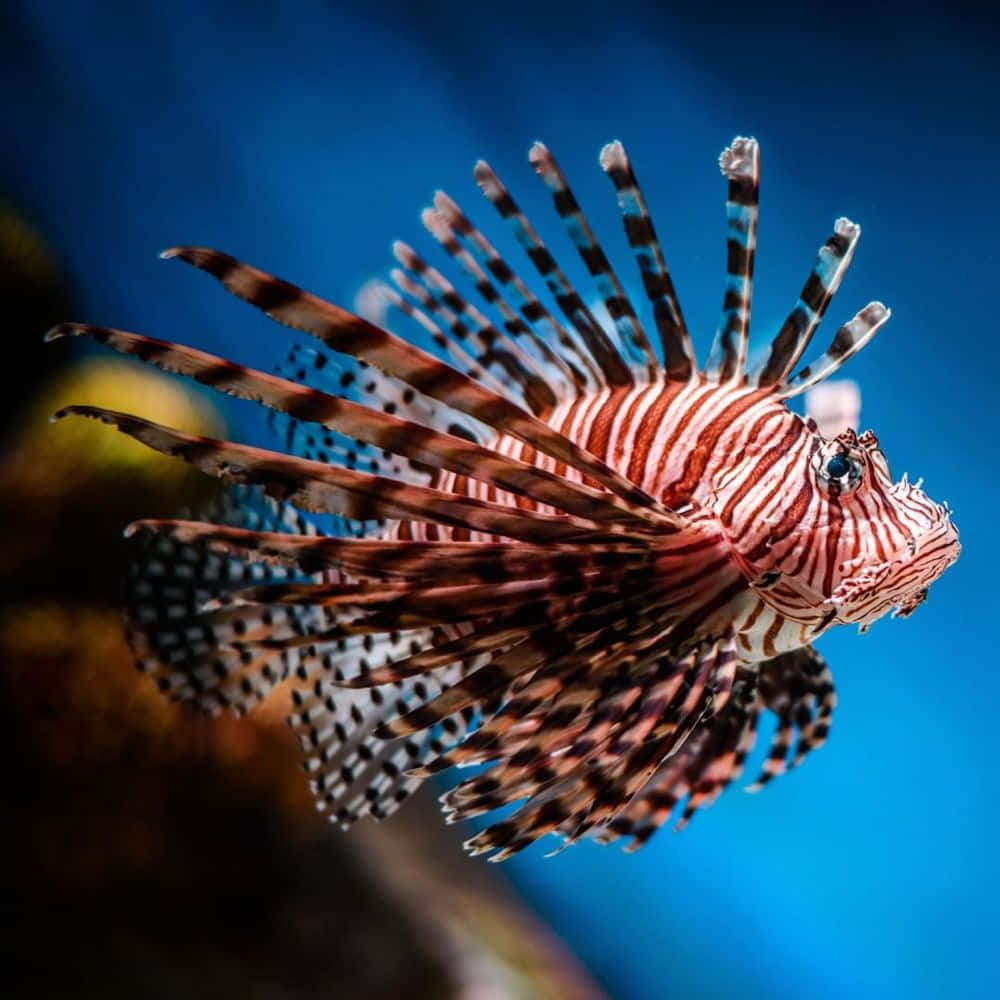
(68, 489)
(161, 853)
(69, 455)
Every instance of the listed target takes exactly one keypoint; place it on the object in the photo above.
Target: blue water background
(305, 140)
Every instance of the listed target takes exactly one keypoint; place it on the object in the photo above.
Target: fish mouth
(900, 583)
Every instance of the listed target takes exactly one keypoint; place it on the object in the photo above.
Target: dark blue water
(305, 143)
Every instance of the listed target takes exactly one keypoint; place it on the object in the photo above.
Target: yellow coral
(54, 456)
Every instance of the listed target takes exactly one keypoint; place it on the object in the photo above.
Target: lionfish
(563, 553)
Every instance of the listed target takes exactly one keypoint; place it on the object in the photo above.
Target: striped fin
(556, 344)
(499, 383)
(721, 759)
(515, 722)
(375, 558)
(798, 688)
(349, 334)
(627, 801)
(614, 371)
(632, 763)
(591, 793)
(351, 772)
(792, 339)
(308, 367)
(492, 639)
(552, 726)
(419, 602)
(849, 339)
(339, 375)
(428, 447)
(552, 648)
(740, 162)
(493, 349)
(537, 765)
(700, 770)
(320, 488)
(630, 330)
(347, 377)
(608, 611)
(560, 748)
(534, 724)
(675, 341)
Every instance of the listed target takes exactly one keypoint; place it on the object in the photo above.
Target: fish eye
(841, 472)
(838, 467)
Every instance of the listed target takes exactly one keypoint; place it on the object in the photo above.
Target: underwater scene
(501, 544)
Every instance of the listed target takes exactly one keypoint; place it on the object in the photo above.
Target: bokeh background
(151, 853)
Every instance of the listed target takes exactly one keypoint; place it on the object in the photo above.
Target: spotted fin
(199, 657)
(346, 377)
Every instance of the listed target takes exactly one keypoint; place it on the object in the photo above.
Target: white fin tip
(488, 180)
(849, 230)
(539, 154)
(613, 155)
(739, 158)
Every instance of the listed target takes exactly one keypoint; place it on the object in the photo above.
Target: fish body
(584, 560)
(741, 454)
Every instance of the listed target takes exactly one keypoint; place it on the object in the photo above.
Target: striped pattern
(817, 293)
(561, 556)
(632, 336)
(613, 368)
(740, 163)
(523, 315)
(675, 341)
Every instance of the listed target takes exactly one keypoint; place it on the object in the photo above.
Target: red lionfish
(584, 562)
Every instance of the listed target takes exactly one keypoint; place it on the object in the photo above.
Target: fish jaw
(899, 585)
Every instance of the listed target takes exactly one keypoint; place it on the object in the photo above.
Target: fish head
(821, 528)
(890, 540)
